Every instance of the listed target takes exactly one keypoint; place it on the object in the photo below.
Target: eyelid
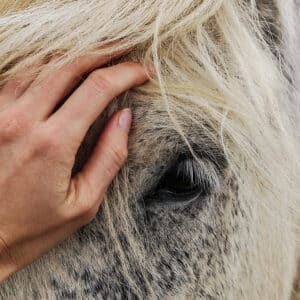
(199, 172)
(202, 176)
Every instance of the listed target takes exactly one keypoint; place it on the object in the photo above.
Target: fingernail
(125, 119)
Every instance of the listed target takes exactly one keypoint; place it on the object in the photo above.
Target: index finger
(50, 88)
(83, 107)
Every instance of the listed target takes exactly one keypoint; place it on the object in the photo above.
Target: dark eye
(180, 180)
(188, 179)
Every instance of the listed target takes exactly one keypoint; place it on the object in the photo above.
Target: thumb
(108, 157)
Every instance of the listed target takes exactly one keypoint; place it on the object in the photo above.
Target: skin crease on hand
(40, 203)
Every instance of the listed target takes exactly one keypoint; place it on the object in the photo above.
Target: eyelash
(194, 179)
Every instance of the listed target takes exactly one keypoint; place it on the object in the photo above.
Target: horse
(207, 204)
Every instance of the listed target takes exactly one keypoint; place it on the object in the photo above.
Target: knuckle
(88, 212)
(13, 124)
(100, 81)
(87, 200)
(119, 155)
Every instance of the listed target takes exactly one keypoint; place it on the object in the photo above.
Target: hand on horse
(41, 203)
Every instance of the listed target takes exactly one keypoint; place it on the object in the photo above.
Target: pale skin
(41, 204)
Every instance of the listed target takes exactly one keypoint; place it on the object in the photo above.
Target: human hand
(40, 203)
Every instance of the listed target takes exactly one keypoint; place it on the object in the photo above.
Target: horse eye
(185, 181)
(178, 180)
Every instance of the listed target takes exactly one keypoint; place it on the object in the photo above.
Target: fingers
(89, 100)
(108, 157)
(14, 89)
(50, 88)
(86, 190)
